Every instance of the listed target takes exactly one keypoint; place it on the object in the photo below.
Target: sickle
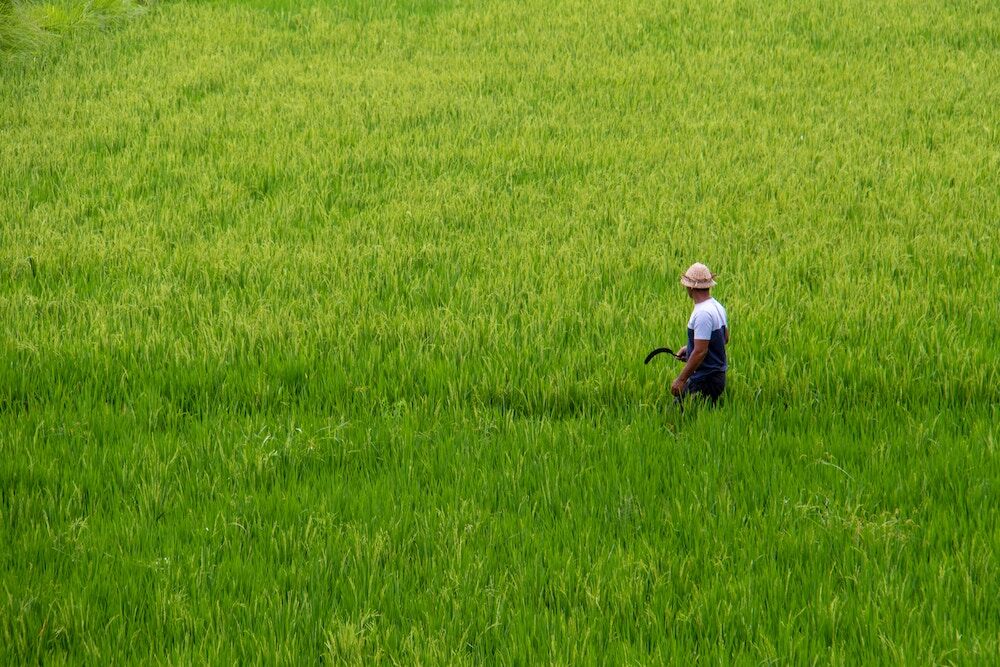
(661, 350)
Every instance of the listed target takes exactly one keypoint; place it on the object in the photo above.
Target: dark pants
(708, 386)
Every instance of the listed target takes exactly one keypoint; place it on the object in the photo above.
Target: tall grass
(322, 326)
(28, 27)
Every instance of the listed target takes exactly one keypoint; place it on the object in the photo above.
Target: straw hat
(698, 276)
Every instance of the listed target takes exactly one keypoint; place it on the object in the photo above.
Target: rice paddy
(323, 328)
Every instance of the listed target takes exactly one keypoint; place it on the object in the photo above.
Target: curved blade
(659, 350)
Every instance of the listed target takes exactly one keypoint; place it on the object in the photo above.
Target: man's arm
(693, 362)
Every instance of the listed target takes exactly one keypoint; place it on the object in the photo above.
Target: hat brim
(697, 284)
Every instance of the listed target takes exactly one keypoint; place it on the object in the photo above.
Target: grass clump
(18, 32)
(31, 27)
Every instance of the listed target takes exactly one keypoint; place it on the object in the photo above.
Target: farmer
(704, 373)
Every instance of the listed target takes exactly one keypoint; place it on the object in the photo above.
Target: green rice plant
(19, 33)
(29, 27)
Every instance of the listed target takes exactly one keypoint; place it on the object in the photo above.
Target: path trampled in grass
(323, 330)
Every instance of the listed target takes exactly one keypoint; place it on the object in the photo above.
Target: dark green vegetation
(323, 331)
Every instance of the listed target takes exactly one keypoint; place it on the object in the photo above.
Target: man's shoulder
(710, 310)
(709, 306)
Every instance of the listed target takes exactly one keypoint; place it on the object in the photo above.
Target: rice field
(323, 327)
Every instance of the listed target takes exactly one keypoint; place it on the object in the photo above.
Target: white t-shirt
(708, 322)
(707, 317)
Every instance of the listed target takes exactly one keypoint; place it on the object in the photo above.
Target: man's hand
(694, 359)
(682, 353)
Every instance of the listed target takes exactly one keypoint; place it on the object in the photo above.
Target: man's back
(708, 322)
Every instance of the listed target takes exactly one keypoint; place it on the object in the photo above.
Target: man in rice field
(704, 372)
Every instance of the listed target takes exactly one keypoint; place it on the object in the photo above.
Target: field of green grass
(322, 326)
